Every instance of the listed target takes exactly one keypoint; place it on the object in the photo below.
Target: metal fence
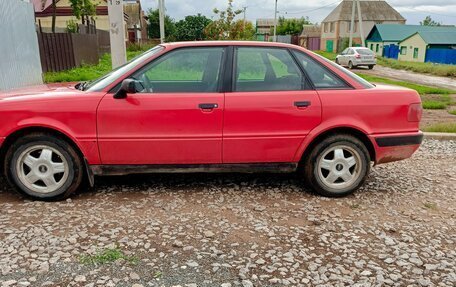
(20, 58)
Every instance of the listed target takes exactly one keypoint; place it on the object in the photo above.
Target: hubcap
(339, 167)
(42, 169)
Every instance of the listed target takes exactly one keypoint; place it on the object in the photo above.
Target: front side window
(188, 70)
(266, 69)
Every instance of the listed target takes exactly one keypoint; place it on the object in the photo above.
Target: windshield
(106, 80)
(364, 51)
(354, 76)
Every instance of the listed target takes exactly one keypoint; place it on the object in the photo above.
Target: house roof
(310, 31)
(371, 10)
(398, 32)
(436, 38)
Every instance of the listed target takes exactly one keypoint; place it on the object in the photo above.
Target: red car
(208, 107)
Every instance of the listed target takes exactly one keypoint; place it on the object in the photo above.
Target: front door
(271, 109)
(175, 117)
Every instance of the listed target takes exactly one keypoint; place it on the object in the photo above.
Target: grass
(328, 55)
(106, 256)
(430, 205)
(422, 90)
(85, 72)
(453, 112)
(426, 68)
(441, 128)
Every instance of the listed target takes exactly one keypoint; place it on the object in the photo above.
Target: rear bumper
(394, 147)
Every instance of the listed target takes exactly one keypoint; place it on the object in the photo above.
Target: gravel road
(409, 76)
(241, 230)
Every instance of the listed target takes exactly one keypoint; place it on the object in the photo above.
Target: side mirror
(128, 86)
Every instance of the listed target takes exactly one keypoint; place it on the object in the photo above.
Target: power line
(432, 13)
(310, 10)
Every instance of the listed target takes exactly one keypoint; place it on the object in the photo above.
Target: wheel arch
(357, 133)
(12, 137)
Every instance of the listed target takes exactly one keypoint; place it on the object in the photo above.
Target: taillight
(414, 113)
(357, 56)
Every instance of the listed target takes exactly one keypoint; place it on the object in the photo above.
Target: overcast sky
(414, 11)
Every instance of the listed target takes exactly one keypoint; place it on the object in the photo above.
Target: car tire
(371, 67)
(337, 61)
(350, 65)
(337, 166)
(43, 167)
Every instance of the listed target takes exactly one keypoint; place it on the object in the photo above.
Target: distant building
(436, 46)
(310, 37)
(385, 40)
(135, 20)
(263, 28)
(64, 14)
(335, 28)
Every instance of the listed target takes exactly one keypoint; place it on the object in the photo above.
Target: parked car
(208, 107)
(353, 57)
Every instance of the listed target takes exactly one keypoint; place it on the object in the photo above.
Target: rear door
(175, 117)
(271, 108)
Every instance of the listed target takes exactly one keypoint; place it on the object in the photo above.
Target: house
(135, 20)
(429, 46)
(64, 14)
(384, 39)
(310, 37)
(335, 28)
(263, 28)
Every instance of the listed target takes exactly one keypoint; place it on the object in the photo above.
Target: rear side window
(266, 69)
(324, 79)
(321, 77)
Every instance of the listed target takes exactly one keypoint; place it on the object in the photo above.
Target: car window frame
(305, 81)
(221, 76)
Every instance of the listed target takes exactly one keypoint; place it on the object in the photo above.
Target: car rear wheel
(337, 166)
(371, 67)
(350, 65)
(337, 61)
(43, 167)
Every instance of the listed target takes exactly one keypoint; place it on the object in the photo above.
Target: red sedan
(208, 107)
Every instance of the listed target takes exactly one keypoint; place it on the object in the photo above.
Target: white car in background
(357, 56)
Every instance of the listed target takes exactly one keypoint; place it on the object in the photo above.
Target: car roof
(229, 43)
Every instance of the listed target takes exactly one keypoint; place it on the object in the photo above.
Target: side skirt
(193, 168)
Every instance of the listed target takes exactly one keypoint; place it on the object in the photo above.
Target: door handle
(208, 106)
(303, 104)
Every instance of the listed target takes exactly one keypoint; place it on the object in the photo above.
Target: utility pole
(352, 24)
(360, 20)
(117, 33)
(275, 22)
(161, 9)
(244, 8)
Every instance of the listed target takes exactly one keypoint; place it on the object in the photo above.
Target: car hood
(47, 90)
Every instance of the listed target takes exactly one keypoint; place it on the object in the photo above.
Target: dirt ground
(408, 76)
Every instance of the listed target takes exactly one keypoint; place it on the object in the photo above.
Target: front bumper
(394, 147)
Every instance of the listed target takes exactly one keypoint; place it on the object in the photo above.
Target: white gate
(19, 53)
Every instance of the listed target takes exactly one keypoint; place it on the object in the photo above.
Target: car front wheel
(43, 167)
(337, 166)
(350, 65)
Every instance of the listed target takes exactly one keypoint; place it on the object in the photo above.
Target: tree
(222, 28)
(82, 9)
(291, 26)
(429, 22)
(192, 28)
(153, 29)
(242, 31)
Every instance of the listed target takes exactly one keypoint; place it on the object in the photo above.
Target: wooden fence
(63, 51)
